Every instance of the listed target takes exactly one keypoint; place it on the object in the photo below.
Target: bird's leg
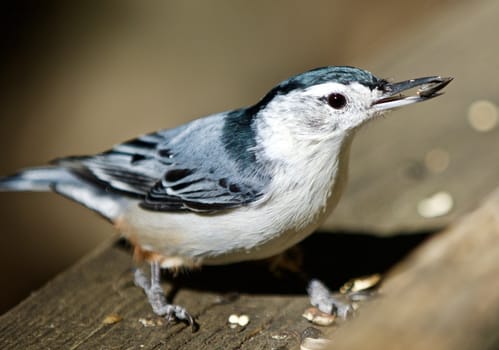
(157, 298)
(325, 301)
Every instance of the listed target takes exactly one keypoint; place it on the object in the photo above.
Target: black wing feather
(169, 174)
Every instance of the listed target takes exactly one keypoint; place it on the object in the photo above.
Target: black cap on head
(340, 74)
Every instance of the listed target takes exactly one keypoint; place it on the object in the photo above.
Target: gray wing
(187, 168)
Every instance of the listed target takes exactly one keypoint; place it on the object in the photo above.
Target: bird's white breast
(304, 191)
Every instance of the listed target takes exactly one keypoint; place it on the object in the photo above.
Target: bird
(244, 184)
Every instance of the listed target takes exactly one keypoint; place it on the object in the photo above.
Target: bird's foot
(157, 298)
(335, 304)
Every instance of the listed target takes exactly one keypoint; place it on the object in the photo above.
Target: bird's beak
(392, 97)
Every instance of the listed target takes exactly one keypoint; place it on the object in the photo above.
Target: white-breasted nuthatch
(239, 185)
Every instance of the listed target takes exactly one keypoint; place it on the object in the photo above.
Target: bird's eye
(336, 100)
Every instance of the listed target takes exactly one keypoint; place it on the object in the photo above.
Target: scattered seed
(243, 320)
(318, 317)
(112, 319)
(314, 344)
(238, 320)
(361, 283)
(233, 319)
(150, 322)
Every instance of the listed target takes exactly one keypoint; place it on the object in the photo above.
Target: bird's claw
(157, 298)
(174, 313)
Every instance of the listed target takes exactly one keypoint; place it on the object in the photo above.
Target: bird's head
(331, 101)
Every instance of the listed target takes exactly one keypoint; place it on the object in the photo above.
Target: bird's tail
(35, 179)
(64, 182)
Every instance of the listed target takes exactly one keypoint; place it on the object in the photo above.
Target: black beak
(392, 97)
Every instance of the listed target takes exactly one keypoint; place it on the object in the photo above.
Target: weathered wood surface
(445, 296)
(68, 312)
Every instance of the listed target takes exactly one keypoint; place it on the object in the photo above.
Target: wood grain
(444, 296)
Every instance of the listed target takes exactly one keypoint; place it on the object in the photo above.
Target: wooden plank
(444, 296)
(68, 312)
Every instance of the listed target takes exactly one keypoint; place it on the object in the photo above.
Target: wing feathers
(174, 170)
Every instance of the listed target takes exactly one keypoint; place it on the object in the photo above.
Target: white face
(325, 110)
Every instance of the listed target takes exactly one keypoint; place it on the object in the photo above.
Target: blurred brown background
(78, 77)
